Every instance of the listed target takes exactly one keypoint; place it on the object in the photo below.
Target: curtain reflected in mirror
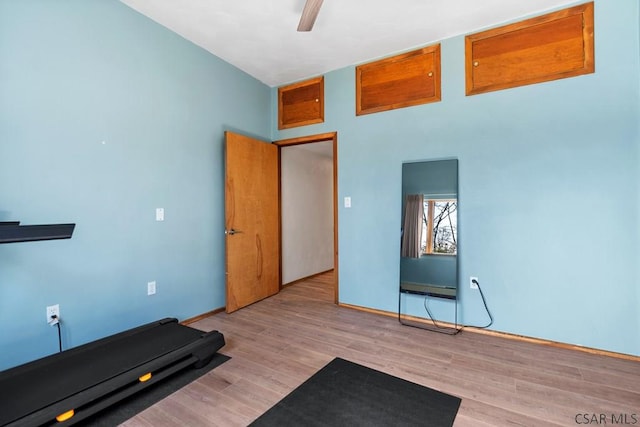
(429, 245)
(413, 226)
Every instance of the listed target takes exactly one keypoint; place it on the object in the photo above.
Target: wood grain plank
(301, 103)
(548, 47)
(404, 80)
(278, 343)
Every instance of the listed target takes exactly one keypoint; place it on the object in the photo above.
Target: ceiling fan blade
(309, 15)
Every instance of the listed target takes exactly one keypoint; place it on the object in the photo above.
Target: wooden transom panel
(404, 80)
(301, 103)
(548, 47)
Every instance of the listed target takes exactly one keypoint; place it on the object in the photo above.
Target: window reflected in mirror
(439, 227)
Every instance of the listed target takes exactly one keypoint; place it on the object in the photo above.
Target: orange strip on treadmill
(145, 377)
(64, 417)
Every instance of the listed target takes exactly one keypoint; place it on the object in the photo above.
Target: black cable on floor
(433, 320)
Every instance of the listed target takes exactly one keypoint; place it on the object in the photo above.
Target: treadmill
(70, 386)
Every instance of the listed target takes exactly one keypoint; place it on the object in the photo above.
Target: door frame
(329, 136)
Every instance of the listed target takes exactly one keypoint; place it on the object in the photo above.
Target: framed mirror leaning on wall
(428, 292)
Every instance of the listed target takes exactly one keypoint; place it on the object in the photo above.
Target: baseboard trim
(202, 316)
(500, 334)
(284, 285)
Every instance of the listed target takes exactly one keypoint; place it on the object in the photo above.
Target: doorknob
(232, 231)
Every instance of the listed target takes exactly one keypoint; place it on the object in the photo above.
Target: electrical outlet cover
(53, 310)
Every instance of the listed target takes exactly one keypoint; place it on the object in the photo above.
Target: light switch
(159, 214)
(347, 202)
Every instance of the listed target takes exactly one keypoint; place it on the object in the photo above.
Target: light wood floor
(278, 343)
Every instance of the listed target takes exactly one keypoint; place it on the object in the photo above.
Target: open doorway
(308, 208)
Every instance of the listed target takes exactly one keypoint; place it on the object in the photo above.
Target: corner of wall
(273, 112)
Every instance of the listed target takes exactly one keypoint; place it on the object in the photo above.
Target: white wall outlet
(53, 310)
(347, 202)
(159, 214)
(472, 282)
(151, 287)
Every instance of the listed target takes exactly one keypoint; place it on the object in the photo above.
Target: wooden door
(252, 225)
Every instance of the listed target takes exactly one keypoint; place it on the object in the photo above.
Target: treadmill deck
(48, 387)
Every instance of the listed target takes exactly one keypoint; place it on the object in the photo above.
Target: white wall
(307, 211)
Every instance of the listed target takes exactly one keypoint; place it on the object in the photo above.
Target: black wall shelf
(13, 232)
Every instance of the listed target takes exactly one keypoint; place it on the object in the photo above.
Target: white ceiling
(260, 37)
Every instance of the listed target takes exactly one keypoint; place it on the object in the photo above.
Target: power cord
(484, 301)
(433, 320)
(56, 321)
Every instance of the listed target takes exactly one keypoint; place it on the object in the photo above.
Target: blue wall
(548, 188)
(75, 73)
(548, 175)
(433, 178)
